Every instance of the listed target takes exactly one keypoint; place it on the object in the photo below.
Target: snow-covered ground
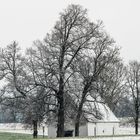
(125, 130)
(104, 138)
(20, 128)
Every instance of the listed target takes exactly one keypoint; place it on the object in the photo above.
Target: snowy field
(20, 128)
(125, 130)
(104, 138)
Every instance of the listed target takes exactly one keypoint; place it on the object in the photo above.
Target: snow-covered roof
(103, 111)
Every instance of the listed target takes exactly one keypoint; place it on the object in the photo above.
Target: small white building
(108, 125)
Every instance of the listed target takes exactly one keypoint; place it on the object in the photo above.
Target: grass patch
(14, 136)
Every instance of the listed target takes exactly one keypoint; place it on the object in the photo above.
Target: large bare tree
(72, 34)
(133, 80)
(19, 83)
(101, 53)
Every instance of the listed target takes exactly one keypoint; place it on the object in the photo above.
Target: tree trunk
(60, 98)
(136, 125)
(137, 106)
(35, 129)
(77, 123)
(137, 117)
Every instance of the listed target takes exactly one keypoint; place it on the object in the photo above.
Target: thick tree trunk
(60, 98)
(60, 125)
(77, 124)
(35, 129)
(79, 113)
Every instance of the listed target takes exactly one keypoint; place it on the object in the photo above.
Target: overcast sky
(28, 20)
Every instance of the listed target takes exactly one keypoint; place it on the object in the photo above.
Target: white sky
(28, 20)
